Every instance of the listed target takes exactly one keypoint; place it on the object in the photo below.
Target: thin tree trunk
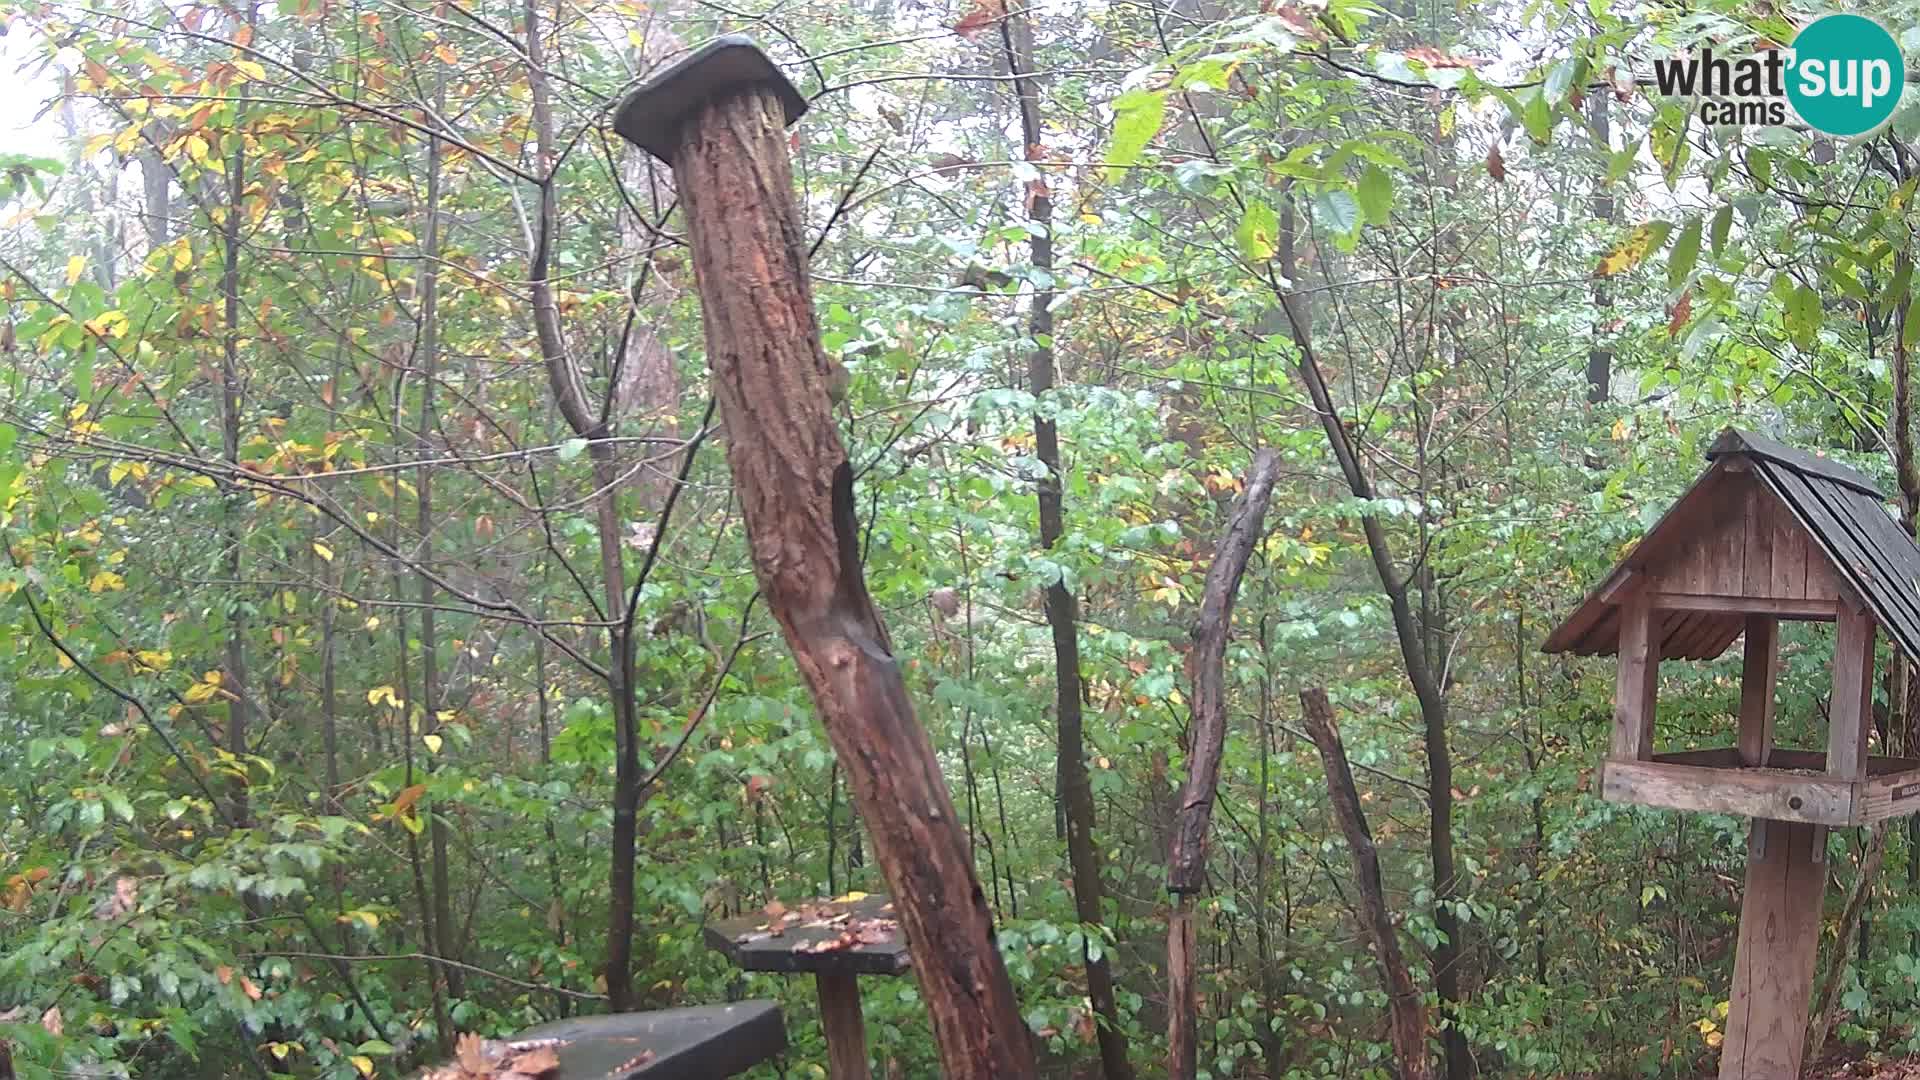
(239, 700)
(429, 940)
(1406, 1006)
(429, 364)
(1900, 714)
(1599, 353)
(1426, 684)
(571, 397)
(1828, 995)
(1207, 734)
(1075, 790)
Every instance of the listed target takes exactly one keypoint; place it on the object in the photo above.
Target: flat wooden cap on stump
(650, 116)
(836, 940)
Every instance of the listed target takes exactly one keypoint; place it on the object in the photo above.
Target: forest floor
(1853, 1063)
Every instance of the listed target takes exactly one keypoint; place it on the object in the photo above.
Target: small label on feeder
(1905, 791)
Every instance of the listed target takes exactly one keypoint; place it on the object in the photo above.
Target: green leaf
(1686, 250)
(1337, 210)
(1136, 119)
(1259, 233)
(1722, 221)
(1560, 79)
(1537, 117)
(1375, 195)
(571, 449)
(1803, 316)
(1910, 330)
(8, 436)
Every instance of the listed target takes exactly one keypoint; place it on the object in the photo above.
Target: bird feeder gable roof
(1759, 497)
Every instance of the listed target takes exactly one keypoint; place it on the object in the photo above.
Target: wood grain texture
(1773, 963)
(1636, 681)
(846, 1029)
(1759, 668)
(1760, 793)
(1851, 710)
(1183, 994)
(795, 490)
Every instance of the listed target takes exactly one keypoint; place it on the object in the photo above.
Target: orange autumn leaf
(985, 13)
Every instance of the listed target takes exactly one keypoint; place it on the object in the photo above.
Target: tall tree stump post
(719, 118)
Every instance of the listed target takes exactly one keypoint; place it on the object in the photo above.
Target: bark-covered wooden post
(1193, 810)
(719, 118)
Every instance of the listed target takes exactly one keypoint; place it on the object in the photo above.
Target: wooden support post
(1851, 708)
(1773, 963)
(719, 117)
(1638, 678)
(846, 1028)
(1758, 670)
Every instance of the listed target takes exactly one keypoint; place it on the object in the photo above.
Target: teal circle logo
(1846, 75)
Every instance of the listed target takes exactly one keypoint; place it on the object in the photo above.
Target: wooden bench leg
(846, 1029)
(1773, 963)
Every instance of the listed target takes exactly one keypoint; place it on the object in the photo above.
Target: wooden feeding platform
(1767, 534)
(836, 940)
(666, 1044)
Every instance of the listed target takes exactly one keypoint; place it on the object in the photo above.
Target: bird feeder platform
(1767, 534)
(836, 940)
(666, 1044)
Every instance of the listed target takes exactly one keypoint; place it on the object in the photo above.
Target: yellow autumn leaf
(371, 920)
(433, 743)
(203, 691)
(323, 551)
(363, 1063)
(850, 898)
(106, 581)
(250, 69)
(380, 694)
(76, 265)
(1626, 255)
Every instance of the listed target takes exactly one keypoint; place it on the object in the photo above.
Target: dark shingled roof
(1840, 509)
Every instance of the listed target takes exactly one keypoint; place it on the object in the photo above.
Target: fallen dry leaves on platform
(475, 1058)
(826, 915)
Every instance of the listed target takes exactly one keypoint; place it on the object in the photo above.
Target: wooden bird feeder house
(1768, 533)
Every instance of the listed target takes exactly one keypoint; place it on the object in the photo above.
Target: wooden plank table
(836, 940)
(666, 1044)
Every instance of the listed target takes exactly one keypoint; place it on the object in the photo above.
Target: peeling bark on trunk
(795, 488)
(1406, 1006)
(1193, 809)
